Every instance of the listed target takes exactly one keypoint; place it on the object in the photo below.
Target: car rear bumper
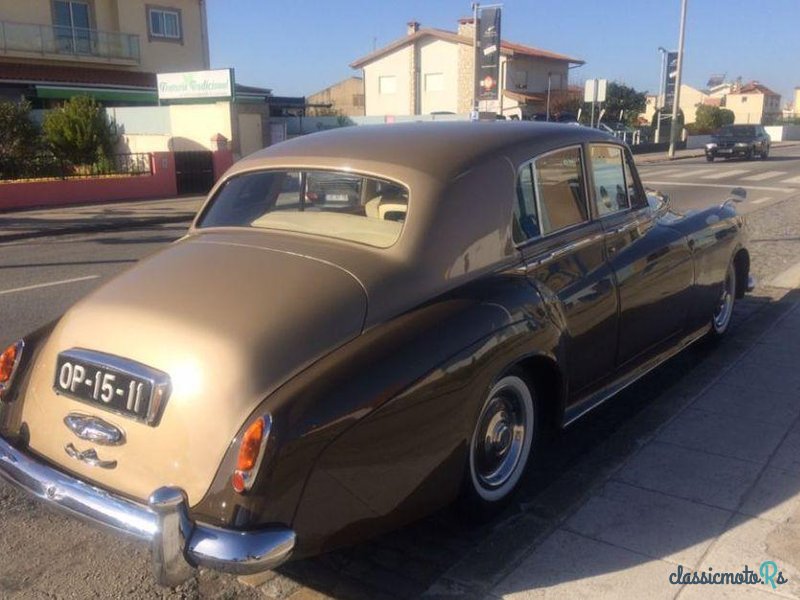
(178, 545)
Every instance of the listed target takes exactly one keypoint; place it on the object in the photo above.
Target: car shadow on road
(443, 555)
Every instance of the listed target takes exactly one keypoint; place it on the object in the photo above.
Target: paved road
(47, 556)
(694, 183)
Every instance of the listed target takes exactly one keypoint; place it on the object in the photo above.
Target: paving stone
(763, 378)
(726, 592)
(750, 542)
(775, 497)
(774, 407)
(649, 522)
(728, 435)
(787, 456)
(569, 566)
(715, 480)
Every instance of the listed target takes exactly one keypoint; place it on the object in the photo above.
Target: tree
(622, 99)
(666, 124)
(710, 118)
(79, 131)
(19, 138)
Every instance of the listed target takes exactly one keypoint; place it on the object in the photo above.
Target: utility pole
(660, 102)
(475, 106)
(676, 103)
(549, 75)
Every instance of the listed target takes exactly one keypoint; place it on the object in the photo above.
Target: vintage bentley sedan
(361, 326)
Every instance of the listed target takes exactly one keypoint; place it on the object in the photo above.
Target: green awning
(107, 94)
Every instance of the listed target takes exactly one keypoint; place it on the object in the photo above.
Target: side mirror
(738, 194)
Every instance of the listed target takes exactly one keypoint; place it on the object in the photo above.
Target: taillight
(251, 452)
(9, 361)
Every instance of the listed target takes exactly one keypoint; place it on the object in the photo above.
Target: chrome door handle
(625, 228)
(89, 457)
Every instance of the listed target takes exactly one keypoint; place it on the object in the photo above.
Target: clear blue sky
(298, 47)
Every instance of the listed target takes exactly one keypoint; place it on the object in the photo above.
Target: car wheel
(723, 310)
(749, 154)
(709, 158)
(765, 153)
(505, 437)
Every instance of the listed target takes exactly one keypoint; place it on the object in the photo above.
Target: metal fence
(47, 166)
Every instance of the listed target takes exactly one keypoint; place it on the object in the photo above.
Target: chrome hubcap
(500, 439)
(724, 309)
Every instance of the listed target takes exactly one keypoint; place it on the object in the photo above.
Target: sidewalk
(706, 479)
(97, 217)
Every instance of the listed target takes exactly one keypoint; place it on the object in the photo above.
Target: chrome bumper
(178, 544)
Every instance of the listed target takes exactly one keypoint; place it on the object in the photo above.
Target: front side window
(332, 204)
(164, 23)
(608, 176)
(526, 215)
(560, 189)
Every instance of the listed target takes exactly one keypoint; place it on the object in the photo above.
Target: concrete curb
(126, 224)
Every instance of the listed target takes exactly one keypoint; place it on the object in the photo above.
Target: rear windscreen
(332, 204)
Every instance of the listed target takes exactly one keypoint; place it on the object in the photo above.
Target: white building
(431, 70)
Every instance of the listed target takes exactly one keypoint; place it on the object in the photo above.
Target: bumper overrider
(178, 545)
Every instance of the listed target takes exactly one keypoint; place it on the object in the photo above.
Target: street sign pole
(660, 100)
(676, 103)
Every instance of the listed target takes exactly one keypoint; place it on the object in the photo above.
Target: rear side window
(560, 189)
(551, 194)
(608, 175)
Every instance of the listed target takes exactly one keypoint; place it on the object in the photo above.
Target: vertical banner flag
(669, 81)
(487, 73)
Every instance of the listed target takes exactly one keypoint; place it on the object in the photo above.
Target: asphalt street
(694, 183)
(48, 556)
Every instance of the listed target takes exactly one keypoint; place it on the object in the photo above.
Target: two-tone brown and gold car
(361, 326)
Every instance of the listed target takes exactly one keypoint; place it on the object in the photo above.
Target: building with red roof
(431, 71)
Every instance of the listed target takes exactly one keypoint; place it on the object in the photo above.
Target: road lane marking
(792, 181)
(766, 175)
(727, 186)
(727, 173)
(762, 200)
(667, 171)
(48, 284)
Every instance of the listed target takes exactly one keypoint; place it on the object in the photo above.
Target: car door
(652, 264)
(563, 253)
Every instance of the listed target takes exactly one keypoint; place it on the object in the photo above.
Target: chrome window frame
(584, 173)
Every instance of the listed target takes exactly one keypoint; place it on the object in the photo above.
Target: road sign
(487, 55)
(595, 90)
(669, 81)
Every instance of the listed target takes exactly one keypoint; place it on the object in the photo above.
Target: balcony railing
(68, 41)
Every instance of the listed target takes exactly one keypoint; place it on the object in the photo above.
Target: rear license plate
(725, 150)
(115, 384)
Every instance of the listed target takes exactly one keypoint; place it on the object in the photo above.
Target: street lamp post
(676, 102)
(660, 100)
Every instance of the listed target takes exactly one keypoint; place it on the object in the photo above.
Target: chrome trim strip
(562, 251)
(175, 539)
(159, 381)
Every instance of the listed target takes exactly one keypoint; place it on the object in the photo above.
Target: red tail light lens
(251, 451)
(9, 361)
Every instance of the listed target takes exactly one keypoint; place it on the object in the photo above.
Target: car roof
(441, 150)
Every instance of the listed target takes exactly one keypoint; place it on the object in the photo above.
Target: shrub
(19, 139)
(80, 131)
